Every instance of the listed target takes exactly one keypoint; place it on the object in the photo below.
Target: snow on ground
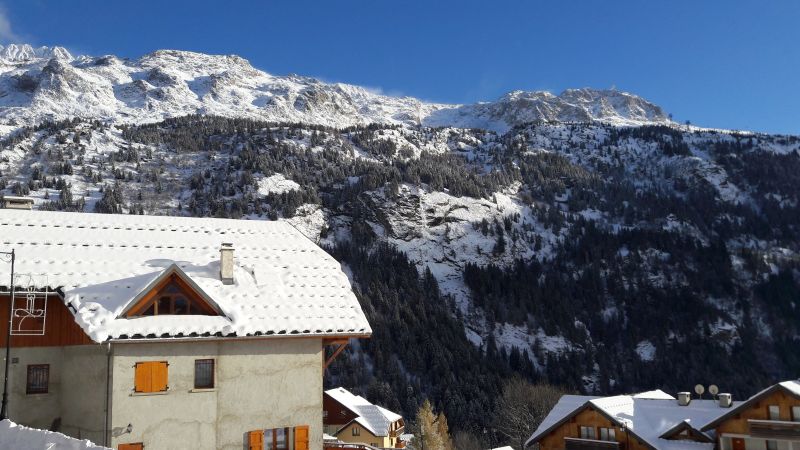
(646, 351)
(276, 184)
(19, 437)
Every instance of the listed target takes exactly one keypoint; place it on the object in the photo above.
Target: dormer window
(172, 293)
(172, 300)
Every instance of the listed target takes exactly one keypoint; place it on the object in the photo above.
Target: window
(176, 297)
(356, 431)
(774, 412)
(772, 445)
(587, 432)
(274, 439)
(607, 434)
(796, 413)
(38, 379)
(203, 373)
(151, 376)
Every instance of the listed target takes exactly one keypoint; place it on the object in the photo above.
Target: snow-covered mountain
(47, 83)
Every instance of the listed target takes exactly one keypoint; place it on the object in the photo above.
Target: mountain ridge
(48, 83)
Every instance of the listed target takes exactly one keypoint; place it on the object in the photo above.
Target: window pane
(181, 305)
(772, 445)
(280, 439)
(38, 379)
(612, 435)
(268, 439)
(796, 414)
(774, 412)
(163, 305)
(204, 374)
(604, 434)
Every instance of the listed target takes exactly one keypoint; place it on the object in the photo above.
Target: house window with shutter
(151, 376)
(356, 430)
(204, 374)
(796, 413)
(587, 432)
(38, 379)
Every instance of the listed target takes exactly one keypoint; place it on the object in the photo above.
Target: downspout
(108, 395)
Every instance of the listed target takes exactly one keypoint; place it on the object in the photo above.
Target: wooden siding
(738, 424)
(337, 414)
(60, 326)
(587, 418)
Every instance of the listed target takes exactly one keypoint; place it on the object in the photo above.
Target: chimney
(725, 400)
(684, 398)
(226, 263)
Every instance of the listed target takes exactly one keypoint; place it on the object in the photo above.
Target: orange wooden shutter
(256, 440)
(136, 446)
(301, 438)
(143, 379)
(159, 376)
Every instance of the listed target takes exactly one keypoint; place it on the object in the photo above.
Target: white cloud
(7, 34)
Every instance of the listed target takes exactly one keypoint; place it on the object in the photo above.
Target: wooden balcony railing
(775, 429)
(589, 444)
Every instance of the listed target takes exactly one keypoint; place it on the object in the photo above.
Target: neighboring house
(351, 418)
(769, 420)
(648, 421)
(167, 332)
(10, 202)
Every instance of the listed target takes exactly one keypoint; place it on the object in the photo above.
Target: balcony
(589, 444)
(774, 429)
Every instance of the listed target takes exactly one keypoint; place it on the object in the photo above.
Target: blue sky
(732, 64)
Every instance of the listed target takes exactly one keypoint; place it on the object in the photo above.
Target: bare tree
(522, 407)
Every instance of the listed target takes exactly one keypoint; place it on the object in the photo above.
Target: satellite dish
(699, 389)
(713, 389)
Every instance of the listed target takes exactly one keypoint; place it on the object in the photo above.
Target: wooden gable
(335, 412)
(58, 323)
(589, 416)
(172, 293)
(757, 408)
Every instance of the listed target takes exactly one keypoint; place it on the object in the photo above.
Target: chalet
(11, 202)
(647, 421)
(169, 333)
(769, 420)
(352, 419)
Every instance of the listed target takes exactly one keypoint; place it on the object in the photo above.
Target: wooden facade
(335, 415)
(60, 326)
(557, 438)
(753, 421)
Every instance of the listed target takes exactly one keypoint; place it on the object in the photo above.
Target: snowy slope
(49, 83)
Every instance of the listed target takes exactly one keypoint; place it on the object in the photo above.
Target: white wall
(76, 392)
(260, 384)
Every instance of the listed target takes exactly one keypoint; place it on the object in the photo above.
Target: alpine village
(199, 254)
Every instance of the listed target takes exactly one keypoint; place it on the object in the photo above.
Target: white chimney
(725, 400)
(226, 263)
(684, 398)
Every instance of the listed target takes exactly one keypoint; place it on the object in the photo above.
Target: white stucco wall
(260, 384)
(76, 391)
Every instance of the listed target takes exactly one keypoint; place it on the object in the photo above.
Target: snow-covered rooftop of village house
(648, 415)
(372, 417)
(13, 436)
(284, 283)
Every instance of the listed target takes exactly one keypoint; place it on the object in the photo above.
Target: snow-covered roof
(374, 418)
(284, 283)
(13, 436)
(790, 386)
(647, 415)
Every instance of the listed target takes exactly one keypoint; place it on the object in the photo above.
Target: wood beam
(339, 349)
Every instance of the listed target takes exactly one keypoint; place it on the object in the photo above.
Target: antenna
(699, 389)
(713, 390)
